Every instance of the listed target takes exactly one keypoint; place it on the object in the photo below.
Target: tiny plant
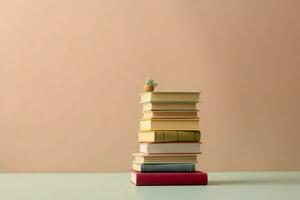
(149, 85)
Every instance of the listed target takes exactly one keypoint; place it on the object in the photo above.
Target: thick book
(164, 158)
(164, 167)
(163, 106)
(170, 114)
(170, 97)
(169, 136)
(197, 178)
(188, 147)
(169, 124)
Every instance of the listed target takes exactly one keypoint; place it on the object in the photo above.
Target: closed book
(170, 114)
(169, 124)
(163, 106)
(197, 178)
(188, 147)
(164, 158)
(164, 167)
(169, 136)
(170, 97)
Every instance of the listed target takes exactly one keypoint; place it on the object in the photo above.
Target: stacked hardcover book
(169, 140)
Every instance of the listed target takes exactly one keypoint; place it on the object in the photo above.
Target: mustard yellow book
(169, 124)
(169, 97)
(169, 136)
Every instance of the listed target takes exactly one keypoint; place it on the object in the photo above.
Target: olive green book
(169, 136)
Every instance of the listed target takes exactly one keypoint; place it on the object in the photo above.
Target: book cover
(169, 136)
(164, 167)
(197, 178)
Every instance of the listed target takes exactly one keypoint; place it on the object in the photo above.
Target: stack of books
(169, 140)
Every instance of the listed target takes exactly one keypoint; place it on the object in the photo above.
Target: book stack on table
(169, 139)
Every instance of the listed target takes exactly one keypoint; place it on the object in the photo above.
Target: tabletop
(90, 186)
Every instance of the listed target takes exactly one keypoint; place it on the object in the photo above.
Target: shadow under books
(262, 181)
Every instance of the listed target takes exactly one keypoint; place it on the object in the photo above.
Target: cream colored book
(169, 107)
(164, 158)
(169, 136)
(184, 147)
(169, 124)
(170, 97)
(170, 114)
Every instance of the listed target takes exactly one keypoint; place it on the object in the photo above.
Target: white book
(169, 124)
(190, 147)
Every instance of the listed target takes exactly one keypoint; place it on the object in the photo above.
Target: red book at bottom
(197, 178)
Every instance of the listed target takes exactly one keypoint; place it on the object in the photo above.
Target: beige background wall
(71, 71)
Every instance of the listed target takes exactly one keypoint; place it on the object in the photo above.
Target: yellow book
(169, 97)
(169, 124)
(150, 106)
(169, 136)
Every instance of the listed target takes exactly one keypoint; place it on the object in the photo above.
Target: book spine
(197, 178)
(177, 136)
(177, 167)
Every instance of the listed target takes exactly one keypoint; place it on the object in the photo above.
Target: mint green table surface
(231, 186)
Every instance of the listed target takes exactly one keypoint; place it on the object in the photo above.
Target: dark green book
(164, 167)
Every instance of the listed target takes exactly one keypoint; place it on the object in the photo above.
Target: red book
(197, 178)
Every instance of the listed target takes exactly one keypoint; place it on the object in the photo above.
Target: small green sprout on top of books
(149, 85)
